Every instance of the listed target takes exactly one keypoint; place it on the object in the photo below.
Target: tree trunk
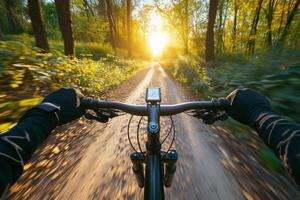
(13, 23)
(234, 25)
(1, 32)
(287, 25)
(269, 16)
(186, 27)
(281, 19)
(251, 43)
(65, 25)
(296, 36)
(37, 22)
(209, 51)
(110, 23)
(129, 34)
(219, 29)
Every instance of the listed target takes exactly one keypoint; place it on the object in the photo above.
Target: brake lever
(221, 117)
(103, 115)
(101, 119)
(209, 116)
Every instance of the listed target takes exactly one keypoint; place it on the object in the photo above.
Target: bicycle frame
(160, 168)
(154, 188)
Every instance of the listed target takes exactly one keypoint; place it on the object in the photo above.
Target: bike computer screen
(153, 95)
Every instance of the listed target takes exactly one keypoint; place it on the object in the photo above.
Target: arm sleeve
(18, 144)
(283, 137)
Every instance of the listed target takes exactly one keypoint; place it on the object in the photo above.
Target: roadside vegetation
(26, 75)
(275, 75)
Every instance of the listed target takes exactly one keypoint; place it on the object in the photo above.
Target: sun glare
(157, 41)
(157, 37)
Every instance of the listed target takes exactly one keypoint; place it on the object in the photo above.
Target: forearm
(18, 144)
(283, 137)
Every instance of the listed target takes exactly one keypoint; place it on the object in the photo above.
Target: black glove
(65, 102)
(247, 105)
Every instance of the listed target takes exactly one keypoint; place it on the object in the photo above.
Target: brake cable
(128, 131)
(174, 134)
(168, 131)
(138, 132)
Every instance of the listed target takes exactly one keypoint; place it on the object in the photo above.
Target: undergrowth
(274, 74)
(26, 75)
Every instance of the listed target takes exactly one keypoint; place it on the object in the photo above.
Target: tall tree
(65, 25)
(234, 24)
(269, 16)
(1, 33)
(251, 42)
(288, 23)
(281, 18)
(222, 10)
(209, 49)
(129, 31)
(14, 25)
(34, 9)
(112, 30)
(185, 27)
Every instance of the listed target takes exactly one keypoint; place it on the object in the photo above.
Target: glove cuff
(47, 110)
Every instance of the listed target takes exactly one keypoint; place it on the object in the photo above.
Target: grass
(273, 73)
(26, 75)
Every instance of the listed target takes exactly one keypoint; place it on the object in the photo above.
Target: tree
(14, 25)
(209, 47)
(269, 16)
(65, 25)
(1, 33)
(287, 25)
(223, 8)
(178, 14)
(129, 33)
(234, 24)
(112, 28)
(34, 9)
(251, 42)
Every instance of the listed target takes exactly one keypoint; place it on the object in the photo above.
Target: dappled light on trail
(114, 50)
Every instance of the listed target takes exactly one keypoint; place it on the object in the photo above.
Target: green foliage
(92, 50)
(275, 75)
(51, 20)
(89, 29)
(26, 74)
(270, 161)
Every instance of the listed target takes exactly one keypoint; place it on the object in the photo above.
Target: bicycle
(154, 168)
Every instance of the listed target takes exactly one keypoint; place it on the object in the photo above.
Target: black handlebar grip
(224, 104)
(86, 102)
(220, 104)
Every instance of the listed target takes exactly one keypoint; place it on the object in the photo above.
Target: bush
(26, 75)
(276, 76)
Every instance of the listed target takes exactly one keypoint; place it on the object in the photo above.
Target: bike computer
(153, 95)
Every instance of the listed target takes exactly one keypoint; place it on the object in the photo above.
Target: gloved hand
(247, 105)
(65, 102)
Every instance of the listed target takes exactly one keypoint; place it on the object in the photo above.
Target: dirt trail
(98, 166)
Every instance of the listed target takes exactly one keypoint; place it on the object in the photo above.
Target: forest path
(90, 160)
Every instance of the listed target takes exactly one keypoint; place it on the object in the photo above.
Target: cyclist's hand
(247, 105)
(68, 102)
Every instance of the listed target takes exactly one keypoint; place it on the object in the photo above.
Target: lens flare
(157, 36)
(157, 41)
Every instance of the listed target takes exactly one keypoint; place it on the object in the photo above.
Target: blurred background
(210, 46)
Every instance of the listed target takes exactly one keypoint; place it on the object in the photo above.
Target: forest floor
(88, 160)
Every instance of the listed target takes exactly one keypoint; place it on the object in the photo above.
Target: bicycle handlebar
(165, 110)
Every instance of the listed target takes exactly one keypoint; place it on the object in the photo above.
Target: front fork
(169, 167)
